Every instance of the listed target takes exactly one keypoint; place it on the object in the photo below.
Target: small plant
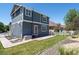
(74, 36)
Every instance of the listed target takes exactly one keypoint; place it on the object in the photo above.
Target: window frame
(29, 13)
(44, 26)
(44, 18)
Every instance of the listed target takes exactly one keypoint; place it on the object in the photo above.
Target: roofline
(29, 9)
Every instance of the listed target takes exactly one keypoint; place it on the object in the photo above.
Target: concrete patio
(7, 43)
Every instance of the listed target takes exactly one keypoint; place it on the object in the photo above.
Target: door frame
(35, 31)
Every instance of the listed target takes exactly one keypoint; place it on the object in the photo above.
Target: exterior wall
(16, 25)
(27, 28)
(16, 30)
(17, 18)
(42, 20)
(26, 17)
(39, 18)
(40, 33)
(36, 16)
(44, 33)
(23, 25)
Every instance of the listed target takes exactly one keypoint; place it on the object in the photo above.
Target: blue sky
(56, 11)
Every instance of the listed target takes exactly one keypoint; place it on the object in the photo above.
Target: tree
(69, 18)
(6, 28)
(2, 28)
(58, 27)
(76, 23)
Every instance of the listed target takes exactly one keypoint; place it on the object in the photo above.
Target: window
(28, 13)
(44, 19)
(43, 28)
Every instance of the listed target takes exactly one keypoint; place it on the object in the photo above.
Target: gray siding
(40, 33)
(27, 28)
(26, 17)
(36, 16)
(42, 20)
(21, 29)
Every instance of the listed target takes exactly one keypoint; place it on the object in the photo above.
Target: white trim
(40, 23)
(44, 20)
(16, 10)
(28, 13)
(30, 22)
(22, 24)
(27, 21)
(35, 31)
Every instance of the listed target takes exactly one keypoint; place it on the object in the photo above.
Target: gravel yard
(55, 49)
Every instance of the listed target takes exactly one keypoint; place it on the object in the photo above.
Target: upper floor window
(28, 13)
(44, 19)
(43, 28)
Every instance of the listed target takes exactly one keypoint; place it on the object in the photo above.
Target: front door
(36, 30)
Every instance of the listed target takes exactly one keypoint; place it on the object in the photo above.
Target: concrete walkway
(6, 43)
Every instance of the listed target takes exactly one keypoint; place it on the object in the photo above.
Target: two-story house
(28, 22)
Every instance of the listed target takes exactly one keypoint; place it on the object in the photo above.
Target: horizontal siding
(42, 20)
(27, 28)
(16, 30)
(26, 17)
(36, 16)
(17, 18)
(40, 33)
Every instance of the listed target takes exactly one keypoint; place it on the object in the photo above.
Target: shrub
(69, 49)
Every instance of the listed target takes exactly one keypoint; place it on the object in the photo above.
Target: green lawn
(32, 47)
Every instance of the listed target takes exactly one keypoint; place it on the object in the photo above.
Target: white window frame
(28, 13)
(44, 20)
(35, 30)
(44, 27)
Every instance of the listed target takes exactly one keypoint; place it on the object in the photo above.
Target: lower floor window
(43, 28)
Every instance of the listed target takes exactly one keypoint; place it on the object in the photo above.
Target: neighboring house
(52, 25)
(55, 27)
(28, 22)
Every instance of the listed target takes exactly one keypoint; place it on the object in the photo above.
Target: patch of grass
(32, 47)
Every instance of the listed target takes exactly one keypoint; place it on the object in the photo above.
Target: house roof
(51, 23)
(18, 5)
(15, 7)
